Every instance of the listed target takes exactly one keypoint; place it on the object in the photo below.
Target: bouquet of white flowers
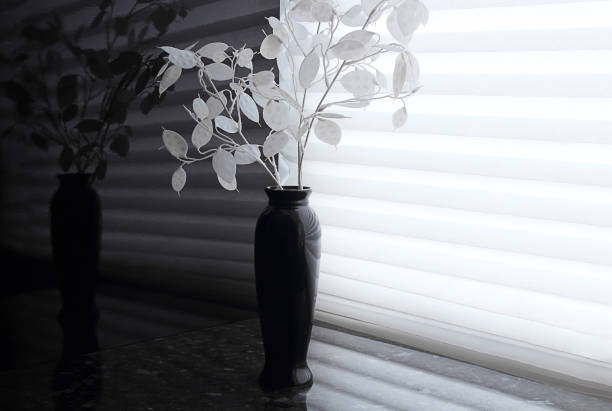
(318, 46)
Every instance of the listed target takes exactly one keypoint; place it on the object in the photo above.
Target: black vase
(76, 224)
(287, 253)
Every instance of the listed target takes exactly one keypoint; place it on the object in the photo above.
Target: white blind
(482, 228)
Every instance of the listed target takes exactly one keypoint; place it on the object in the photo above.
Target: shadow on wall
(77, 94)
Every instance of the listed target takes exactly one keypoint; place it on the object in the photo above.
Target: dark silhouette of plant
(70, 94)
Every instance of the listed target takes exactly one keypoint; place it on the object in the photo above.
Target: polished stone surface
(216, 369)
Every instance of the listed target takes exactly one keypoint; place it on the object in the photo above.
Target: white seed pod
(244, 58)
(184, 59)
(175, 144)
(179, 178)
(365, 37)
(276, 115)
(271, 46)
(226, 124)
(349, 50)
(211, 50)
(328, 131)
(219, 71)
(410, 15)
(399, 74)
(274, 143)
(302, 11)
(413, 70)
(354, 17)
(231, 186)
(309, 67)
(359, 82)
(248, 107)
(224, 164)
(322, 12)
(399, 118)
(202, 133)
(215, 107)
(200, 108)
(263, 79)
(171, 75)
(247, 154)
(162, 69)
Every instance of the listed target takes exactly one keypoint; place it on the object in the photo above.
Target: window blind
(482, 229)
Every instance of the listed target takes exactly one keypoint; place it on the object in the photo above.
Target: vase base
(296, 378)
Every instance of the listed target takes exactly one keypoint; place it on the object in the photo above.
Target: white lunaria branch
(307, 47)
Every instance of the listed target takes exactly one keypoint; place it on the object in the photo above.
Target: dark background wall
(177, 251)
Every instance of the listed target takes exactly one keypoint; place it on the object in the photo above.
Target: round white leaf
(171, 75)
(200, 108)
(263, 79)
(359, 82)
(322, 12)
(224, 164)
(354, 17)
(399, 118)
(219, 71)
(276, 115)
(246, 154)
(349, 50)
(182, 58)
(231, 186)
(215, 107)
(248, 107)
(328, 131)
(275, 143)
(309, 67)
(175, 143)
(201, 134)
(211, 50)
(399, 74)
(271, 46)
(226, 124)
(179, 178)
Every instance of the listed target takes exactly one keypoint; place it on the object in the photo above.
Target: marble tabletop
(216, 369)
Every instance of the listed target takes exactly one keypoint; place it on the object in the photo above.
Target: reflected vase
(76, 225)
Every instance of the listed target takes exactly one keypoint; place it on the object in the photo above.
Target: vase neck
(290, 196)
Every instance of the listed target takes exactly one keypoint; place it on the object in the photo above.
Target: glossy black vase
(76, 222)
(287, 253)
